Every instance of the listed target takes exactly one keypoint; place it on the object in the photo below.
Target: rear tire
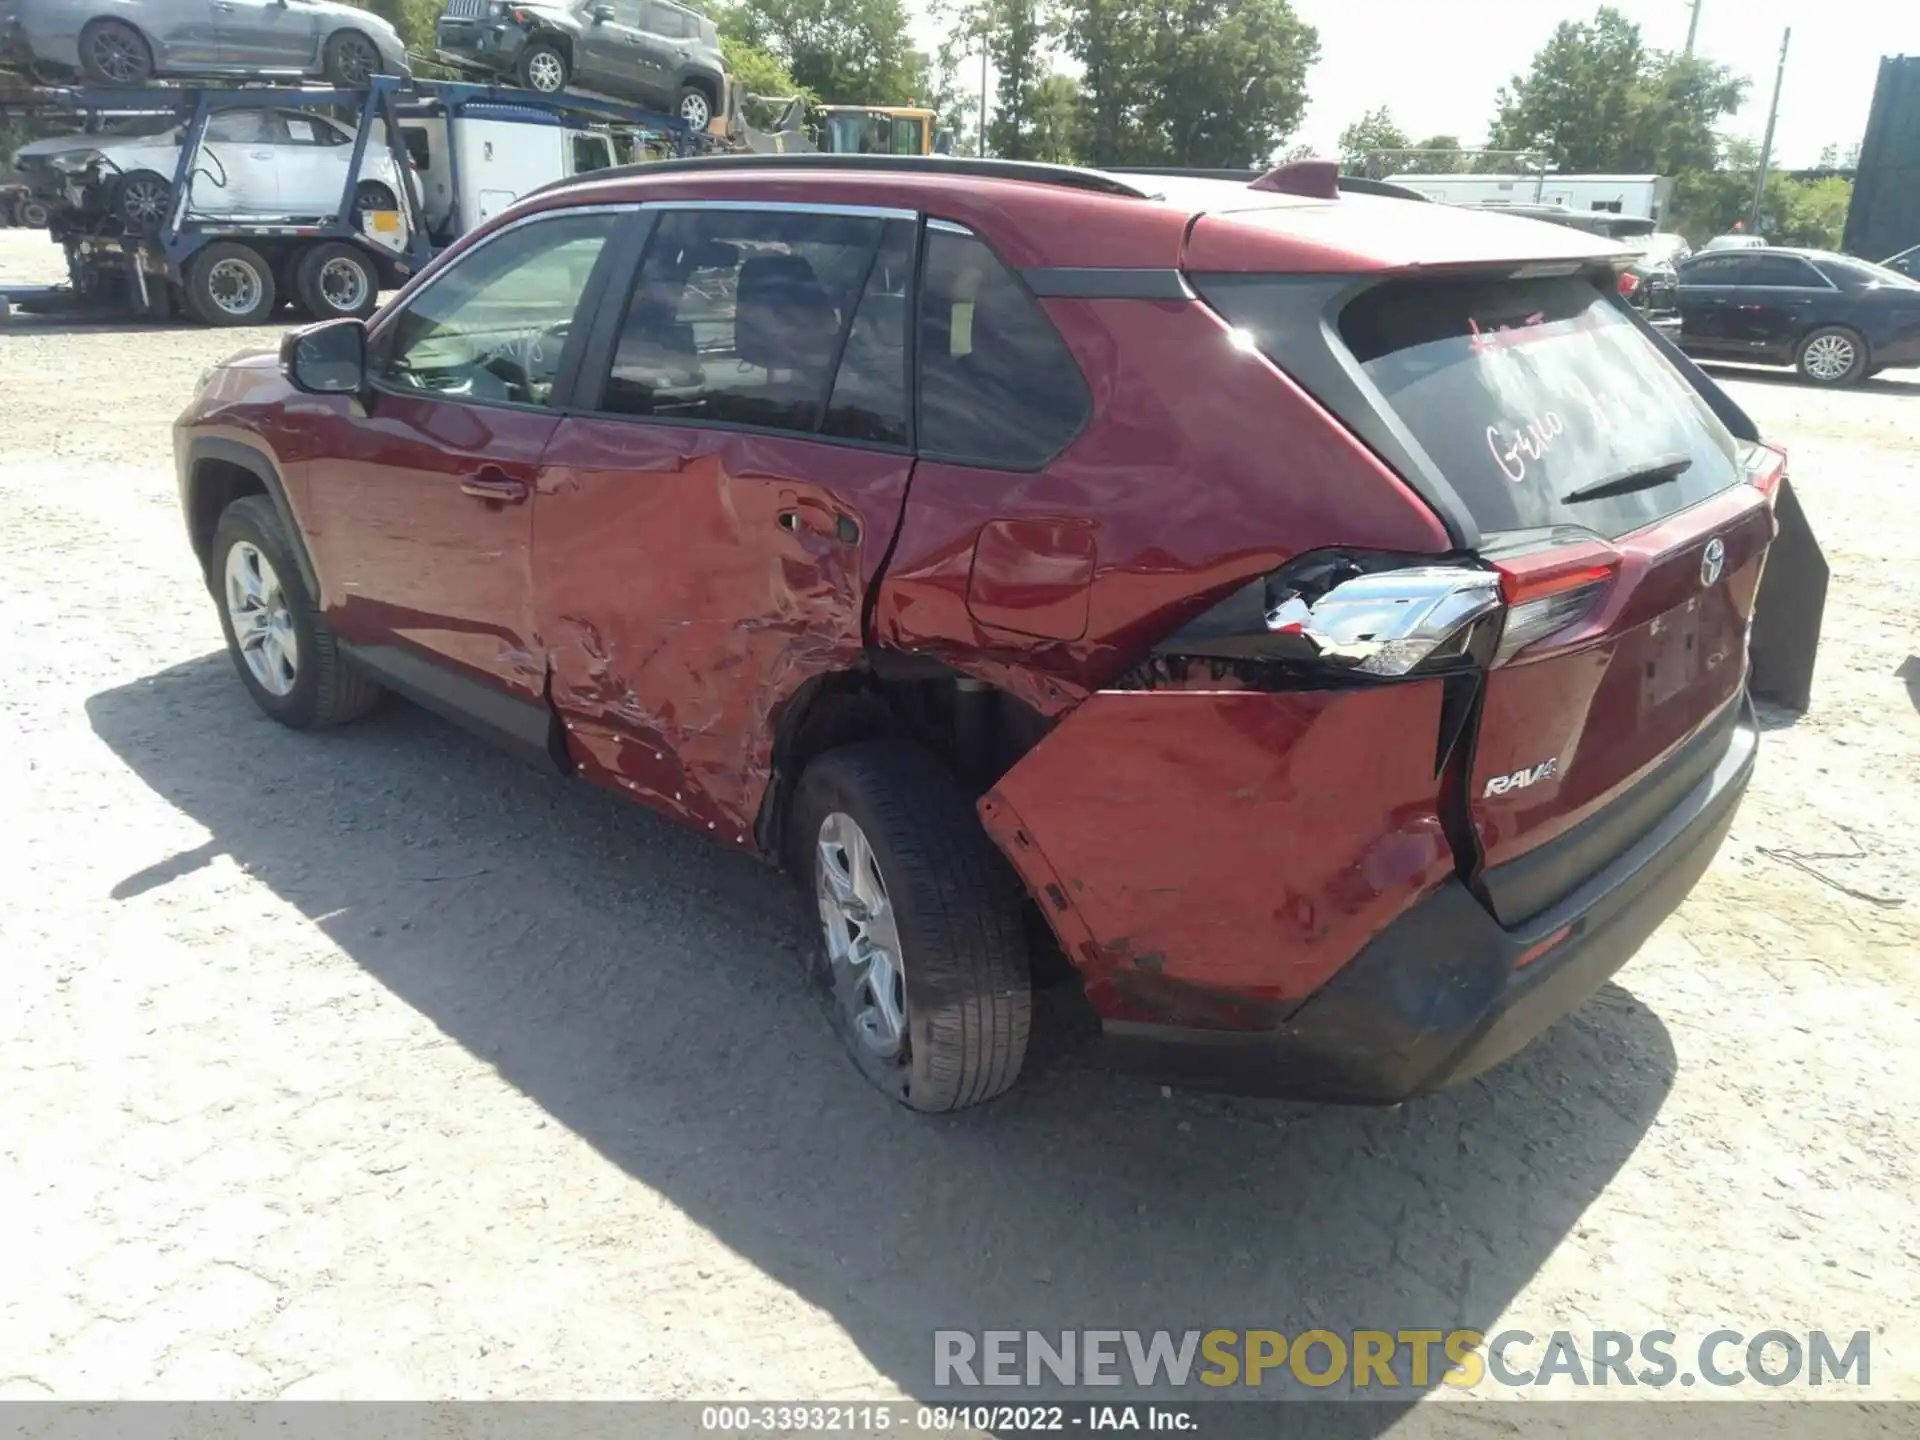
(230, 284)
(33, 214)
(543, 68)
(317, 686)
(947, 905)
(1832, 356)
(335, 281)
(350, 59)
(695, 107)
(112, 52)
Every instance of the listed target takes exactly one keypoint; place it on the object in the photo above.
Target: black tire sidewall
(306, 282)
(330, 68)
(254, 520)
(845, 781)
(524, 70)
(97, 77)
(200, 295)
(1862, 362)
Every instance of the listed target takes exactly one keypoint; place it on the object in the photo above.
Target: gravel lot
(372, 1064)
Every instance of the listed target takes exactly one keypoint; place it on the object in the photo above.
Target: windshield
(1526, 392)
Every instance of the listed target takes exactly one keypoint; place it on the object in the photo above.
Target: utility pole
(1766, 145)
(983, 93)
(1693, 25)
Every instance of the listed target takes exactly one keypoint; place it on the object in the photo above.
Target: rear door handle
(494, 487)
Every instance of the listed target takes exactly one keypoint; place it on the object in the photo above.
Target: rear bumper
(1443, 992)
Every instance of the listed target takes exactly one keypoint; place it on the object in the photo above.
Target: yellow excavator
(844, 130)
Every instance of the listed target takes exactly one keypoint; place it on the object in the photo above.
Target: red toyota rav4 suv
(1331, 611)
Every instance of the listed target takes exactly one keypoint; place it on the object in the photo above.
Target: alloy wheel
(262, 620)
(862, 934)
(547, 73)
(695, 110)
(357, 60)
(234, 286)
(143, 203)
(117, 55)
(1831, 357)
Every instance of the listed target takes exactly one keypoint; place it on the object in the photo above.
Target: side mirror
(326, 359)
(601, 13)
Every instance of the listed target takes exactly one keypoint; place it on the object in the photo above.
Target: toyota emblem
(1712, 563)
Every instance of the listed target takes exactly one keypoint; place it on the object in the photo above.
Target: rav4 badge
(1521, 779)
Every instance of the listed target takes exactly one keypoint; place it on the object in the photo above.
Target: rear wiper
(1643, 477)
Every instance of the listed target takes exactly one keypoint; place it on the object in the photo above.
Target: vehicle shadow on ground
(644, 988)
(1879, 385)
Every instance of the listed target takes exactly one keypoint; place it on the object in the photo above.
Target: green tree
(1015, 31)
(1190, 82)
(1058, 123)
(1597, 99)
(1440, 155)
(847, 52)
(759, 72)
(1361, 142)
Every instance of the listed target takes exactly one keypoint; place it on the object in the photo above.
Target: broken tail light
(1629, 284)
(1373, 617)
(1764, 466)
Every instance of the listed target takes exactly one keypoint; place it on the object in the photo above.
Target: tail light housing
(1629, 284)
(1763, 465)
(1338, 615)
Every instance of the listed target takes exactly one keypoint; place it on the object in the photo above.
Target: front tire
(112, 52)
(230, 284)
(543, 68)
(350, 60)
(1832, 356)
(287, 657)
(140, 201)
(923, 941)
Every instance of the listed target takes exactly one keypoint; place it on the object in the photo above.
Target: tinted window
(1859, 275)
(1777, 272)
(870, 391)
(1713, 270)
(737, 316)
(491, 328)
(675, 24)
(1524, 392)
(998, 386)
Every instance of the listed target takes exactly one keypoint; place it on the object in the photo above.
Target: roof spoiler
(1284, 179)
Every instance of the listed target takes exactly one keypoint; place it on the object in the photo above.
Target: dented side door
(689, 578)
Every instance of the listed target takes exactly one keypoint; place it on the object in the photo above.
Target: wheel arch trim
(259, 463)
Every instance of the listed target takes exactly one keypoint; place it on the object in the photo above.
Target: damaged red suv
(1330, 612)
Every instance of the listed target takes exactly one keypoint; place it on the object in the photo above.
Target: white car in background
(254, 164)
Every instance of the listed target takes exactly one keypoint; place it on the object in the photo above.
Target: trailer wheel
(33, 213)
(230, 284)
(112, 52)
(544, 68)
(140, 201)
(336, 280)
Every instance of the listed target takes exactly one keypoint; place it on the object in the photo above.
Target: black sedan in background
(1836, 319)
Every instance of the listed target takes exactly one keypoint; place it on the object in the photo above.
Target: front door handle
(818, 520)
(495, 488)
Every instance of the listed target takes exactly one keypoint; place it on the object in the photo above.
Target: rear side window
(1527, 393)
(737, 317)
(1777, 272)
(998, 386)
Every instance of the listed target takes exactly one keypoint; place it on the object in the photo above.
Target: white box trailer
(1649, 197)
(476, 163)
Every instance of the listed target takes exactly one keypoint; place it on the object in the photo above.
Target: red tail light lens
(1551, 591)
(1629, 283)
(1764, 465)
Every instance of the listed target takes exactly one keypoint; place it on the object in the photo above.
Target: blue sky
(1437, 63)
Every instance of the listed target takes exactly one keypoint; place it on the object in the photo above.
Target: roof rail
(1068, 176)
(1353, 184)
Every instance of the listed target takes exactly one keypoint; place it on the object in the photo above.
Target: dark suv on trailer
(647, 52)
(1331, 617)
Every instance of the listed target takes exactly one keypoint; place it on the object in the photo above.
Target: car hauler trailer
(463, 152)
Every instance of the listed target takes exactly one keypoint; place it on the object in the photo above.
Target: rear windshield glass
(1527, 392)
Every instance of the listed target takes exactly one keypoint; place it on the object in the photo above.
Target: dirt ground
(372, 1064)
